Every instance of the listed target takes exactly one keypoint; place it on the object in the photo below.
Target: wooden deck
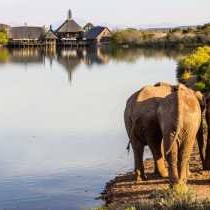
(60, 44)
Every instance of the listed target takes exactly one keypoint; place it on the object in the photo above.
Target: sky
(114, 13)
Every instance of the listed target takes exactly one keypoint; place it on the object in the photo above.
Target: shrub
(179, 195)
(200, 86)
(203, 72)
(186, 75)
(193, 61)
(176, 198)
(196, 64)
(131, 37)
(127, 36)
(3, 38)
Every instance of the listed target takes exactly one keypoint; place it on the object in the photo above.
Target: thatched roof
(50, 35)
(4, 26)
(69, 26)
(26, 32)
(88, 25)
(94, 32)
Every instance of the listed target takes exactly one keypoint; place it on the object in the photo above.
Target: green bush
(200, 86)
(197, 64)
(193, 61)
(186, 75)
(131, 37)
(128, 36)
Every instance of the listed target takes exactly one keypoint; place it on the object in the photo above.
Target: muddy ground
(123, 190)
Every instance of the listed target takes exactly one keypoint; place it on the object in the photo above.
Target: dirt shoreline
(123, 191)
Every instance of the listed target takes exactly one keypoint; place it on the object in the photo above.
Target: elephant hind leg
(184, 157)
(172, 159)
(162, 171)
(157, 152)
(138, 150)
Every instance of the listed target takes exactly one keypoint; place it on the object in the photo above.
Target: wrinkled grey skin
(143, 127)
(179, 115)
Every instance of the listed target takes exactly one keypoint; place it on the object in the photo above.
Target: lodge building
(50, 39)
(70, 30)
(98, 35)
(25, 35)
(69, 33)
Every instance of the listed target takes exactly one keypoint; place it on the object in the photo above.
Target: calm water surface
(62, 134)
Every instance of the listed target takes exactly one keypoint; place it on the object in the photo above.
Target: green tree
(3, 38)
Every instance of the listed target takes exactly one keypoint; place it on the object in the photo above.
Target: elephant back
(153, 91)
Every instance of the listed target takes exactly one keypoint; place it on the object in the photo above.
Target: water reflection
(4, 55)
(70, 58)
(60, 143)
(132, 55)
(97, 56)
(26, 56)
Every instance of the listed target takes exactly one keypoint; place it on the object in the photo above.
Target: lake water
(62, 134)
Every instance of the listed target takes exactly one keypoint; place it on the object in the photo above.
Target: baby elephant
(179, 115)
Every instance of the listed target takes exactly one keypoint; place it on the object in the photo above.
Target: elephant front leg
(207, 153)
(207, 149)
(202, 139)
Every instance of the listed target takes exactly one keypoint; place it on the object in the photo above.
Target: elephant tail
(128, 148)
(174, 135)
(130, 134)
(173, 138)
(128, 117)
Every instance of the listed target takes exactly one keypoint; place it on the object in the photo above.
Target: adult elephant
(205, 146)
(179, 115)
(142, 126)
(204, 130)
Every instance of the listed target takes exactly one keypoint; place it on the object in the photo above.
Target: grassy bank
(123, 193)
(176, 37)
(177, 198)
